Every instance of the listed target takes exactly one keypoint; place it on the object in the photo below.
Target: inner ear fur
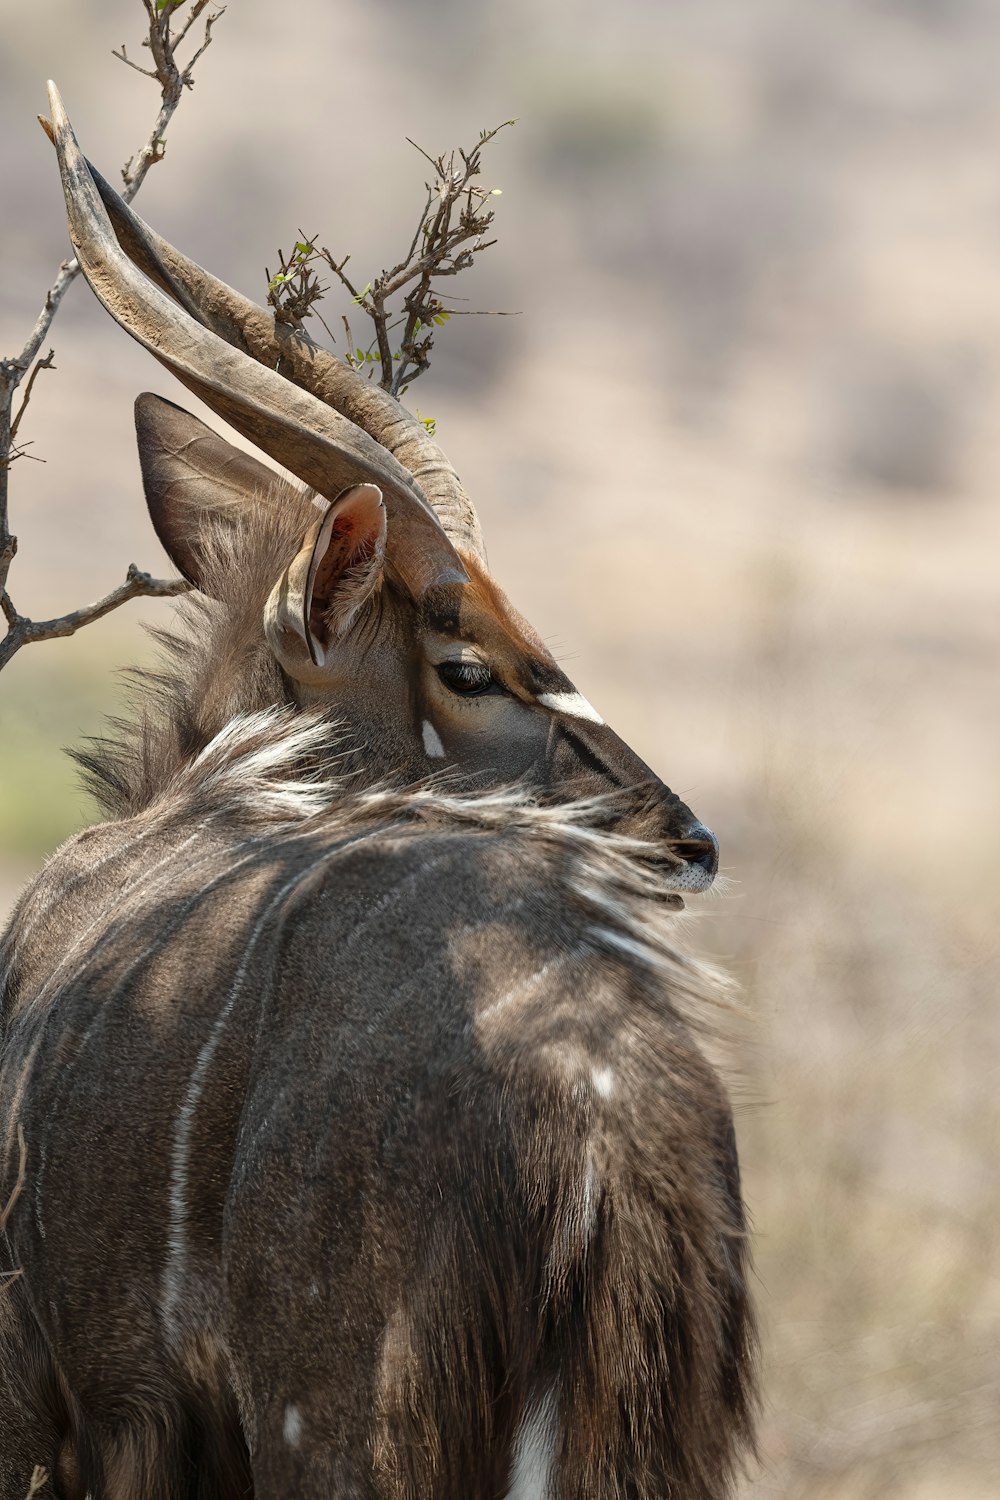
(194, 482)
(336, 571)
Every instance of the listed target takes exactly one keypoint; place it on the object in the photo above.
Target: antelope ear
(193, 480)
(339, 567)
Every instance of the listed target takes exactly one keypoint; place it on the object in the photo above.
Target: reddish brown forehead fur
(480, 613)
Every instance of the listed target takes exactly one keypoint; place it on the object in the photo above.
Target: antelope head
(380, 607)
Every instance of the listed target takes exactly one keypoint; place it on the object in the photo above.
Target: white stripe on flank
(37, 911)
(589, 1198)
(113, 914)
(176, 1269)
(574, 704)
(432, 741)
(533, 1462)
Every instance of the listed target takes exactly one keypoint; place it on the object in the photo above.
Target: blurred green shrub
(53, 699)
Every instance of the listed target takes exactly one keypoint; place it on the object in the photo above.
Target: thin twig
(172, 80)
(339, 271)
(193, 15)
(12, 372)
(425, 154)
(123, 56)
(137, 585)
(42, 364)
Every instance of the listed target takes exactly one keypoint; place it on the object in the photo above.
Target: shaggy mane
(217, 665)
(273, 775)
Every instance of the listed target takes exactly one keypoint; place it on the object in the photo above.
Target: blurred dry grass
(738, 454)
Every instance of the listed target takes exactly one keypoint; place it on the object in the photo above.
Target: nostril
(700, 847)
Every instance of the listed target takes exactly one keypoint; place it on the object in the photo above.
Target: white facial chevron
(570, 703)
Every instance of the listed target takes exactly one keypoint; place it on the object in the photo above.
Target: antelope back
(371, 1130)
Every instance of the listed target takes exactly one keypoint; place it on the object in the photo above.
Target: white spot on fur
(604, 1081)
(292, 1429)
(574, 704)
(432, 741)
(533, 1463)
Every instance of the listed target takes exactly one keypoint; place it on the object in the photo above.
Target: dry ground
(738, 456)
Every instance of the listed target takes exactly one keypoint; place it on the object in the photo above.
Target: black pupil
(466, 677)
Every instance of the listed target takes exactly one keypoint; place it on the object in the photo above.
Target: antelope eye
(470, 679)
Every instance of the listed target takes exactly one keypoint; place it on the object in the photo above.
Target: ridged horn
(246, 326)
(285, 420)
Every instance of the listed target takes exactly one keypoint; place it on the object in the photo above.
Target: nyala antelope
(370, 1152)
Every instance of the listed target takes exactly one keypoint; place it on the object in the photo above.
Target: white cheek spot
(432, 741)
(574, 704)
(292, 1429)
(314, 1289)
(604, 1081)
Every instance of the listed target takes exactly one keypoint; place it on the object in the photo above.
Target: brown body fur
(409, 1214)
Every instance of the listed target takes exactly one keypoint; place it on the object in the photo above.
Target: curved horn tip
(55, 103)
(60, 131)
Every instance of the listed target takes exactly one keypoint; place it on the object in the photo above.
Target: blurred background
(737, 460)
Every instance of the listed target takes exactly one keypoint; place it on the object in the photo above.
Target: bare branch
(186, 77)
(138, 585)
(12, 372)
(425, 154)
(123, 56)
(339, 271)
(193, 15)
(173, 80)
(417, 232)
(382, 335)
(347, 333)
(42, 364)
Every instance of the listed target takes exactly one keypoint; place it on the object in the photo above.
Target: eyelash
(469, 679)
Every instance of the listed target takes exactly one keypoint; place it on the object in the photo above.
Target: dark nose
(699, 846)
